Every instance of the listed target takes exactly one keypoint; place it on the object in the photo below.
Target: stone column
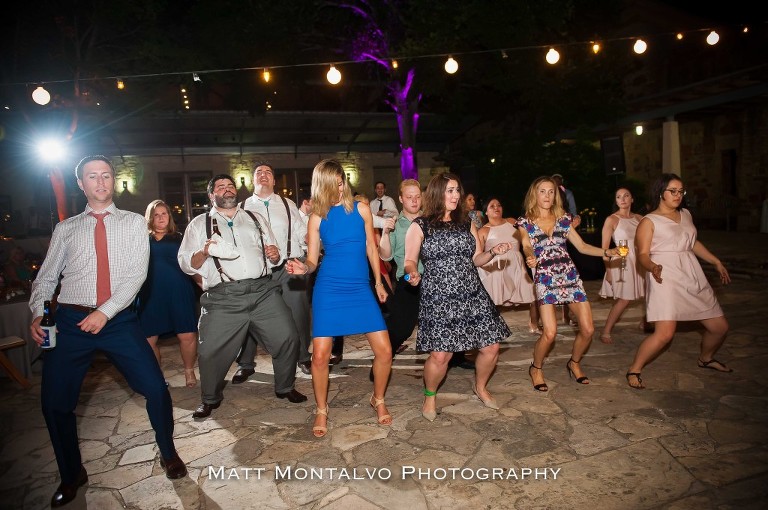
(670, 158)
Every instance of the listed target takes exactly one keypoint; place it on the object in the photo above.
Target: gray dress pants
(230, 312)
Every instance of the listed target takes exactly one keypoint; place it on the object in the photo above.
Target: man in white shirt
(102, 256)
(284, 218)
(382, 203)
(233, 251)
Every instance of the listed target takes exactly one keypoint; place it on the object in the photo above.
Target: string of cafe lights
(451, 65)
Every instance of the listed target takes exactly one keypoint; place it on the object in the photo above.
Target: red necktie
(103, 288)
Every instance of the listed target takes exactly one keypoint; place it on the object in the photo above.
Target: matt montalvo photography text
(362, 473)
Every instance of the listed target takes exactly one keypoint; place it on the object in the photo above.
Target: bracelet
(492, 254)
(378, 285)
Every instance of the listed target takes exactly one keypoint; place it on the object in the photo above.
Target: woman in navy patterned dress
(545, 229)
(455, 311)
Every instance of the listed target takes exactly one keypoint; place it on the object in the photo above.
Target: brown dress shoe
(242, 375)
(67, 492)
(174, 468)
(292, 396)
(204, 410)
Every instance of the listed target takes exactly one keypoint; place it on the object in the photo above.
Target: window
(186, 194)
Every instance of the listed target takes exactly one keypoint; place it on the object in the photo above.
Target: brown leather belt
(78, 308)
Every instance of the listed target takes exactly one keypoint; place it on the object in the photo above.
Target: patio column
(670, 158)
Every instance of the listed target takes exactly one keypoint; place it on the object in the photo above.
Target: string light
(553, 56)
(394, 64)
(266, 75)
(679, 36)
(713, 38)
(640, 47)
(451, 66)
(41, 96)
(745, 30)
(120, 84)
(596, 48)
(333, 76)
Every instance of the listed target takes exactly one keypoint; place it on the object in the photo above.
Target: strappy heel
(537, 387)
(639, 385)
(581, 380)
(429, 415)
(320, 430)
(385, 419)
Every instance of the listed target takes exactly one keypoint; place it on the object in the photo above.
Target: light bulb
(120, 84)
(679, 36)
(596, 48)
(712, 38)
(266, 75)
(639, 130)
(553, 57)
(41, 96)
(394, 64)
(333, 76)
(451, 66)
(640, 46)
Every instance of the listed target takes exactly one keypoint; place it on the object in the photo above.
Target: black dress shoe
(174, 468)
(305, 367)
(242, 375)
(204, 410)
(67, 492)
(292, 396)
(336, 359)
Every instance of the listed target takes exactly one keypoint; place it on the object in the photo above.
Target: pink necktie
(103, 288)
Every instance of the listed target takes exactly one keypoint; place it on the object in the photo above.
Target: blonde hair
(325, 188)
(149, 216)
(409, 182)
(531, 209)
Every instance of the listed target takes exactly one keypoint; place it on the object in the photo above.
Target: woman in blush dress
(676, 288)
(342, 301)
(506, 278)
(544, 230)
(455, 312)
(622, 284)
(166, 302)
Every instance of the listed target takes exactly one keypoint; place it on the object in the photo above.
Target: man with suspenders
(231, 249)
(285, 221)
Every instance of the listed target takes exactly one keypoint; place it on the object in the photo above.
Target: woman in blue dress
(342, 301)
(456, 313)
(544, 230)
(166, 302)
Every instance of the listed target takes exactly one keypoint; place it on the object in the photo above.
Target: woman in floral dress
(544, 230)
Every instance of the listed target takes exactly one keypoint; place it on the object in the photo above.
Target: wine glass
(623, 247)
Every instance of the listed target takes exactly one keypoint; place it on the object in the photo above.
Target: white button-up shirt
(277, 217)
(72, 254)
(243, 235)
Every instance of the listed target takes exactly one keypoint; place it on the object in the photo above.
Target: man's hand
(389, 225)
(37, 331)
(272, 253)
(93, 323)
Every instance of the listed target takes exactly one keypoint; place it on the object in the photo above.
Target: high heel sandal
(639, 385)
(537, 387)
(489, 403)
(581, 380)
(385, 419)
(534, 330)
(429, 415)
(189, 375)
(320, 430)
(708, 364)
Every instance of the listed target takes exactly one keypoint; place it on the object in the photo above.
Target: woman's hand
(294, 266)
(414, 278)
(531, 261)
(612, 252)
(656, 272)
(724, 276)
(500, 249)
(380, 292)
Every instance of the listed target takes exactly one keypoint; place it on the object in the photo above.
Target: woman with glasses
(676, 288)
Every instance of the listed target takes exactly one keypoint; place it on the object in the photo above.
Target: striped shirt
(72, 255)
(243, 235)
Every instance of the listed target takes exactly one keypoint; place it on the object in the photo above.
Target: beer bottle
(49, 327)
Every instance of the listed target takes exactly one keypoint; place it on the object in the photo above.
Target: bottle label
(49, 337)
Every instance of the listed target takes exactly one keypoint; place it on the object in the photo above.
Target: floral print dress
(556, 279)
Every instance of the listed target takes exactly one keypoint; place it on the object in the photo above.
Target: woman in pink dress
(623, 285)
(505, 278)
(676, 288)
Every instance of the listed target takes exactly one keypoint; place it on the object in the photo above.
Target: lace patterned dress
(455, 312)
(556, 279)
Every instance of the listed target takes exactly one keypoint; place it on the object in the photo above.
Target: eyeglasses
(676, 192)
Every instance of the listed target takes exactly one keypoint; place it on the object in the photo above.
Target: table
(15, 318)
(590, 268)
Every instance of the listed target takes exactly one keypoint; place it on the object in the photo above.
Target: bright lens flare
(51, 150)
